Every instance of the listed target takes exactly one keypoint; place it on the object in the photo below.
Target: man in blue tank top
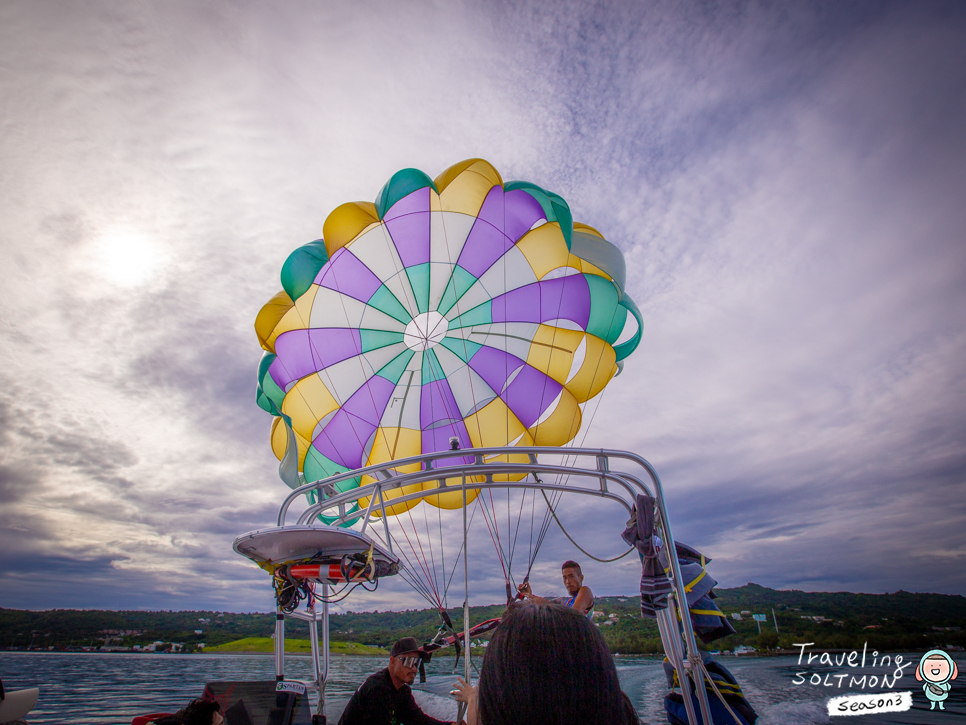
(581, 597)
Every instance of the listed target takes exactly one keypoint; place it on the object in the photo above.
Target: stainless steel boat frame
(583, 471)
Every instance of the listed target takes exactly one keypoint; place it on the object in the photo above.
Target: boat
(744, 650)
(308, 560)
(14, 704)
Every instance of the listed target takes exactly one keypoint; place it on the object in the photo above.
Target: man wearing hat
(385, 698)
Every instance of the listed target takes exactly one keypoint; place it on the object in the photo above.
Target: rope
(717, 692)
(582, 550)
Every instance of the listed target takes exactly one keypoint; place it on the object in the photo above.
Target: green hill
(901, 620)
(256, 645)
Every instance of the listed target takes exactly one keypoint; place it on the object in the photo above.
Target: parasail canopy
(461, 311)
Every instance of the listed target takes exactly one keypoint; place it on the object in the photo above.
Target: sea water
(113, 688)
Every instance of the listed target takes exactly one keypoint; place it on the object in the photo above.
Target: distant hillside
(295, 646)
(931, 608)
(832, 620)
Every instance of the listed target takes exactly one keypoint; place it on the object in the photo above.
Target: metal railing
(582, 471)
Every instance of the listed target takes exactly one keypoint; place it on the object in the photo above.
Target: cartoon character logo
(935, 670)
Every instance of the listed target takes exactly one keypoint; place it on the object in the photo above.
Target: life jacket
(727, 685)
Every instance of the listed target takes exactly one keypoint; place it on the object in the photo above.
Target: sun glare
(126, 257)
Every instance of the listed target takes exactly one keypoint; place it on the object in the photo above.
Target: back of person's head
(199, 712)
(548, 665)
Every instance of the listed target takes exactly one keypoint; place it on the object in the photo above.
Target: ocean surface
(113, 688)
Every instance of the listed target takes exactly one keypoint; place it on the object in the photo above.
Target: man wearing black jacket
(385, 698)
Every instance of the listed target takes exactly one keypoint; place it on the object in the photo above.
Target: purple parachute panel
(564, 298)
(440, 419)
(483, 247)
(303, 352)
(345, 436)
(522, 212)
(494, 366)
(437, 403)
(530, 394)
(503, 219)
(409, 227)
(346, 274)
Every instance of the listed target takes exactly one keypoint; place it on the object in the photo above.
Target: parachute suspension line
(599, 397)
(583, 551)
(544, 527)
(416, 585)
(516, 533)
(406, 572)
(466, 601)
(453, 416)
(559, 494)
(432, 555)
(432, 579)
(556, 495)
(459, 554)
(331, 387)
(510, 543)
(533, 510)
(567, 460)
(421, 561)
(424, 585)
(442, 554)
(496, 544)
(456, 305)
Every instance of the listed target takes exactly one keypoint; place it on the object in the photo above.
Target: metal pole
(279, 643)
(314, 644)
(325, 650)
(466, 593)
(674, 648)
(680, 601)
(314, 639)
(775, 619)
(467, 674)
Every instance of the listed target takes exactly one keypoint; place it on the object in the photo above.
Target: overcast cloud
(787, 183)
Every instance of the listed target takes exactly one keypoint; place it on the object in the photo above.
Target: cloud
(787, 187)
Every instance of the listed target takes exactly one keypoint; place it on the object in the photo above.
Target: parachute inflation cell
(461, 307)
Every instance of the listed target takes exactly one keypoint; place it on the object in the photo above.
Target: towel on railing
(706, 619)
(639, 533)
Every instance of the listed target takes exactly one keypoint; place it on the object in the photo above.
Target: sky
(787, 183)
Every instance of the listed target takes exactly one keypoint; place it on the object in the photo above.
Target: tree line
(839, 620)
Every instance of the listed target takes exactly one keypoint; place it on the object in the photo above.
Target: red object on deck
(145, 719)
(332, 572)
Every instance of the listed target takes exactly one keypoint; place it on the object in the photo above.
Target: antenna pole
(467, 674)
